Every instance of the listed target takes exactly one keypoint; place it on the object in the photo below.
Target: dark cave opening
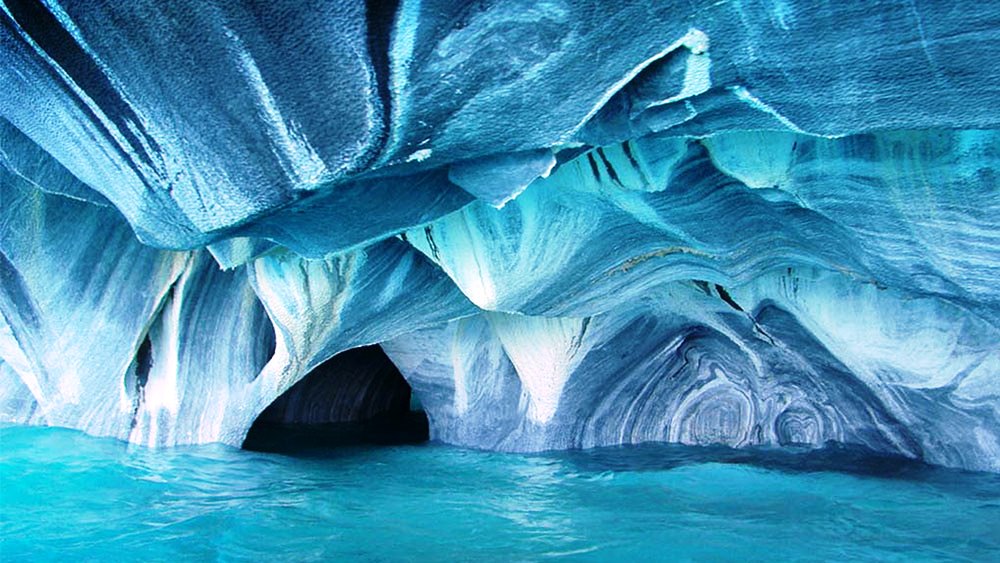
(355, 398)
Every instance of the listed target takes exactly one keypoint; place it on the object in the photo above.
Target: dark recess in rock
(355, 397)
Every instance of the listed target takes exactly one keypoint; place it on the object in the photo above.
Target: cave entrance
(357, 397)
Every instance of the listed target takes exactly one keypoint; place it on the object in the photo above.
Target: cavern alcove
(356, 397)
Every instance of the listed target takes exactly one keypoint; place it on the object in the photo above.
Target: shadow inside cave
(355, 398)
(832, 457)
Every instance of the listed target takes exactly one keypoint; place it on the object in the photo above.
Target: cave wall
(567, 224)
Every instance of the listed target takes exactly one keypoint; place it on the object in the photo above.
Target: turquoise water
(67, 496)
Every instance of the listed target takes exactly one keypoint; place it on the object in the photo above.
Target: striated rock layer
(567, 223)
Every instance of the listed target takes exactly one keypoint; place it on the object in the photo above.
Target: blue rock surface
(567, 223)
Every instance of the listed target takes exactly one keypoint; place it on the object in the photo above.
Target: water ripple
(68, 496)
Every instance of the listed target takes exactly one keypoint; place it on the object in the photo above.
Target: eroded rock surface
(567, 223)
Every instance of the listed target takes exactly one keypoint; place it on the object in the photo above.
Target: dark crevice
(138, 376)
(143, 363)
(760, 330)
(380, 16)
(627, 149)
(732, 303)
(593, 166)
(356, 397)
(611, 169)
(428, 232)
(728, 298)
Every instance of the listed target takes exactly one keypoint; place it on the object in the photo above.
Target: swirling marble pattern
(229, 132)
(739, 380)
(750, 223)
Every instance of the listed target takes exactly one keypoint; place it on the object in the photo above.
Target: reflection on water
(64, 495)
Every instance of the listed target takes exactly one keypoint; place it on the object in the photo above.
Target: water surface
(67, 496)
